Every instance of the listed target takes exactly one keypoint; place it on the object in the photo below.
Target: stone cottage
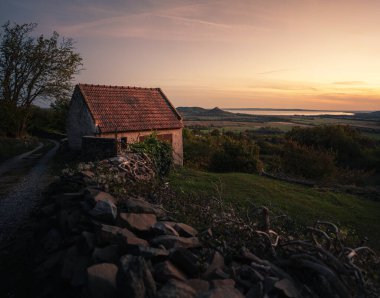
(129, 113)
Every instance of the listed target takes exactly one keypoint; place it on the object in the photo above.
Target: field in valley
(216, 118)
(303, 204)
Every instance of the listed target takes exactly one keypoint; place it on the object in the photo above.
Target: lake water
(289, 112)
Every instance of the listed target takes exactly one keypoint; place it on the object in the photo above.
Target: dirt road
(22, 180)
(23, 195)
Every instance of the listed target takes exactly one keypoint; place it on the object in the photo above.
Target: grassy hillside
(304, 204)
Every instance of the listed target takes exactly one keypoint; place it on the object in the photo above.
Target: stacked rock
(92, 245)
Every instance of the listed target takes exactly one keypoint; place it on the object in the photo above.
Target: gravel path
(15, 207)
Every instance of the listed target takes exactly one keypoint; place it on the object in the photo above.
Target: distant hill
(217, 114)
(197, 111)
(373, 116)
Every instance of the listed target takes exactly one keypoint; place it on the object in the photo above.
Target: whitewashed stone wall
(79, 122)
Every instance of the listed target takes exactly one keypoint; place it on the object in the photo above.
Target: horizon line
(281, 109)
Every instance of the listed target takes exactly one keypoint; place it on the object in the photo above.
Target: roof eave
(139, 130)
(170, 104)
(86, 102)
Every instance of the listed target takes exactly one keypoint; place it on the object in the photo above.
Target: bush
(229, 152)
(160, 151)
(236, 156)
(307, 162)
(197, 150)
(345, 141)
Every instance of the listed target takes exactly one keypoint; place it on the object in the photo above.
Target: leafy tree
(344, 140)
(60, 110)
(32, 68)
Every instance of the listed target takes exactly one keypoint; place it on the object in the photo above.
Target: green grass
(10, 147)
(304, 204)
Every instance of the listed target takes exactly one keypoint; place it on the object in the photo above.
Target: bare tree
(32, 68)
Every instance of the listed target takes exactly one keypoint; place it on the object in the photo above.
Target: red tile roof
(129, 108)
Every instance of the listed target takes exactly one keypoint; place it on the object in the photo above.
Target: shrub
(160, 151)
(307, 162)
(229, 152)
(236, 156)
(344, 140)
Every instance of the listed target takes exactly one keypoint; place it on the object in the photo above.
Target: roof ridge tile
(120, 87)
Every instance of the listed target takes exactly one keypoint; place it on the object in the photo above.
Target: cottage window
(123, 142)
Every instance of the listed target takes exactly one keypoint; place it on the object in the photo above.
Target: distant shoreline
(297, 110)
(264, 112)
(289, 112)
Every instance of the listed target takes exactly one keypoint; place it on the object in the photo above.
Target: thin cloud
(197, 21)
(281, 85)
(164, 22)
(285, 88)
(278, 70)
(350, 83)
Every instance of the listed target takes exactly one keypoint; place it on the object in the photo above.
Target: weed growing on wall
(159, 151)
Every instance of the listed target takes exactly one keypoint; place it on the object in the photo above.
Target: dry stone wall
(93, 246)
(90, 244)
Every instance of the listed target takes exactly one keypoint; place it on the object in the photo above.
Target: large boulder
(162, 228)
(134, 278)
(222, 283)
(102, 280)
(217, 263)
(199, 285)
(151, 252)
(185, 230)
(222, 293)
(186, 261)
(74, 267)
(170, 241)
(139, 205)
(176, 289)
(138, 222)
(94, 195)
(104, 210)
(166, 270)
(108, 254)
(86, 243)
(107, 234)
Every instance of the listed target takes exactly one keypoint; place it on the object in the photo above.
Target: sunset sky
(318, 54)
